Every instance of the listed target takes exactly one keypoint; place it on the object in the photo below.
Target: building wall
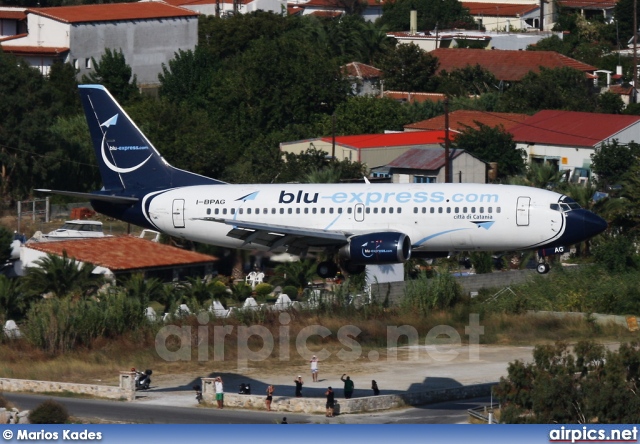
(275, 6)
(569, 158)
(467, 169)
(8, 27)
(146, 44)
(43, 31)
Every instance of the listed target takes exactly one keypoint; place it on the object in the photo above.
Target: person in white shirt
(314, 368)
(219, 392)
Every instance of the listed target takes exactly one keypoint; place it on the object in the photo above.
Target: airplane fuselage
(436, 217)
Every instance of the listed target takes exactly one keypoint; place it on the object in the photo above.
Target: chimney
(413, 22)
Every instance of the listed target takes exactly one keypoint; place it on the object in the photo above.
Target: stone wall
(353, 405)
(394, 291)
(125, 391)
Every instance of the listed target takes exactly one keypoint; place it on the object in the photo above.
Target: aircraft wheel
(327, 269)
(543, 268)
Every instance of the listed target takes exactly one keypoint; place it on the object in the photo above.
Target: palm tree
(144, 290)
(297, 274)
(60, 276)
(10, 299)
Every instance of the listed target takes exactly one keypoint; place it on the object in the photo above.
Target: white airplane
(356, 224)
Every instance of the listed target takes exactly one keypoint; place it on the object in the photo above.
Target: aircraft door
(522, 211)
(358, 212)
(178, 213)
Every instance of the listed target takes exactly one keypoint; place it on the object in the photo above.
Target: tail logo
(112, 121)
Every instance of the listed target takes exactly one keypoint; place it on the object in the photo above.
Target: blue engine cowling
(378, 248)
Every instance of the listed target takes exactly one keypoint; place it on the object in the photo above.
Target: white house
(566, 139)
(148, 34)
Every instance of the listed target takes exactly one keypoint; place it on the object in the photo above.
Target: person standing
(269, 397)
(330, 402)
(348, 386)
(374, 387)
(298, 382)
(314, 368)
(219, 392)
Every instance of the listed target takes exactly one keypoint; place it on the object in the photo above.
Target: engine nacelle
(386, 247)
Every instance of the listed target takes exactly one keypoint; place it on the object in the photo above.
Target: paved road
(442, 413)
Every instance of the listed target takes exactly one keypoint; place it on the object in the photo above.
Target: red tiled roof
(570, 128)
(621, 89)
(13, 37)
(186, 3)
(123, 252)
(17, 14)
(499, 9)
(414, 96)
(294, 10)
(505, 64)
(360, 70)
(461, 119)
(588, 4)
(330, 14)
(112, 12)
(329, 4)
(34, 50)
(388, 140)
(423, 158)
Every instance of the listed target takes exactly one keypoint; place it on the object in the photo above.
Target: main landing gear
(543, 267)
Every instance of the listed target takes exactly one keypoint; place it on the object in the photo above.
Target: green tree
(11, 304)
(26, 113)
(61, 276)
(470, 80)
(610, 162)
(114, 74)
(298, 274)
(610, 103)
(188, 77)
(493, 145)
(559, 88)
(408, 68)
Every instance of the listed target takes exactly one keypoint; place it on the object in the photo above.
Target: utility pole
(333, 137)
(447, 142)
(542, 15)
(635, 50)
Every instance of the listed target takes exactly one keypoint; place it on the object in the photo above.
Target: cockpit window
(565, 204)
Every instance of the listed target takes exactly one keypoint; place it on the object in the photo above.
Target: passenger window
(257, 210)
(297, 210)
(224, 211)
(432, 210)
(490, 210)
(349, 210)
(233, 211)
(415, 209)
(314, 210)
(457, 210)
(240, 211)
(383, 210)
(424, 210)
(440, 210)
(473, 209)
(375, 210)
(306, 211)
(281, 210)
(464, 210)
(208, 211)
(331, 210)
(498, 210)
(340, 210)
(399, 210)
(390, 210)
(322, 210)
(481, 210)
(367, 210)
(290, 210)
(217, 211)
(448, 210)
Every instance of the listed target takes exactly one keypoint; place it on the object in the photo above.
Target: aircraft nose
(582, 225)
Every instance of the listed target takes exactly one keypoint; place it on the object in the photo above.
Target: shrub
(290, 291)
(263, 290)
(3, 402)
(49, 412)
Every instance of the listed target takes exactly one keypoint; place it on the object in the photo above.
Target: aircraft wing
(93, 196)
(295, 240)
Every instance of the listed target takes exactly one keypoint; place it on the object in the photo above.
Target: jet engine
(377, 248)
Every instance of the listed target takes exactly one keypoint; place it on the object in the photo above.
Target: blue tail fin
(129, 163)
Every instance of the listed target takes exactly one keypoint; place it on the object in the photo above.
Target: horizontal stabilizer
(93, 196)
